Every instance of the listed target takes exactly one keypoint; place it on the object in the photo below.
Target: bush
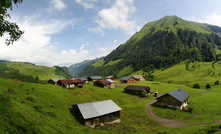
(217, 82)
(196, 86)
(208, 86)
(144, 93)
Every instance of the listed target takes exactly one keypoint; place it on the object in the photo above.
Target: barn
(139, 77)
(177, 99)
(136, 90)
(127, 79)
(97, 113)
(94, 78)
(111, 77)
(54, 81)
(85, 80)
(103, 83)
(69, 83)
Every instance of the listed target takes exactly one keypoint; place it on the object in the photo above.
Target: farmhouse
(177, 99)
(139, 77)
(127, 79)
(137, 90)
(98, 113)
(94, 78)
(85, 80)
(69, 83)
(111, 77)
(54, 81)
(112, 83)
(103, 83)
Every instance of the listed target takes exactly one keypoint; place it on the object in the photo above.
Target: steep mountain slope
(76, 69)
(161, 44)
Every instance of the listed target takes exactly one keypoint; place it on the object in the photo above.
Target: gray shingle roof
(138, 76)
(179, 94)
(96, 77)
(125, 78)
(95, 109)
(84, 79)
(56, 80)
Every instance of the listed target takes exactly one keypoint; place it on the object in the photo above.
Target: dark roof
(67, 81)
(95, 77)
(125, 78)
(83, 79)
(96, 109)
(78, 80)
(178, 94)
(105, 82)
(138, 88)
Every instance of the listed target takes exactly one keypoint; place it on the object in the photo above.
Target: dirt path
(175, 122)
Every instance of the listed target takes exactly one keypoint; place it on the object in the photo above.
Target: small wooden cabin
(85, 80)
(94, 78)
(69, 83)
(111, 77)
(112, 83)
(103, 83)
(136, 90)
(54, 81)
(139, 77)
(177, 99)
(128, 79)
(98, 113)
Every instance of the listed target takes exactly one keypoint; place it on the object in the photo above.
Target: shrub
(196, 85)
(144, 93)
(208, 86)
(217, 82)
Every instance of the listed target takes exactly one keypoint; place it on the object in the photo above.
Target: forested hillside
(161, 44)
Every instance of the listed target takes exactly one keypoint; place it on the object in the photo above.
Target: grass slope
(49, 107)
(43, 72)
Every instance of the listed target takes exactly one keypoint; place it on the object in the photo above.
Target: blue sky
(64, 32)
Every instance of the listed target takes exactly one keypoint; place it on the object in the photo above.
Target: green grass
(113, 62)
(43, 72)
(98, 63)
(50, 111)
(125, 72)
(170, 113)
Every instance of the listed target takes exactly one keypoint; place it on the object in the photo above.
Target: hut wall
(112, 85)
(113, 78)
(169, 101)
(135, 92)
(131, 80)
(142, 79)
(52, 82)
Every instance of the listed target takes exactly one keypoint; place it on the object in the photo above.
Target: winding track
(176, 122)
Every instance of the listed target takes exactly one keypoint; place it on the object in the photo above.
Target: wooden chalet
(103, 83)
(69, 83)
(139, 77)
(85, 80)
(54, 81)
(94, 78)
(128, 79)
(112, 83)
(177, 99)
(136, 90)
(97, 113)
(111, 77)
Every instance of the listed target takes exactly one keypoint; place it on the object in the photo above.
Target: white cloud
(117, 17)
(115, 41)
(56, 5)
(96, 30)
(87, 4)
(35, 44)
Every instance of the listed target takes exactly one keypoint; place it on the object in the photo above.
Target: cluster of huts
(107, 112)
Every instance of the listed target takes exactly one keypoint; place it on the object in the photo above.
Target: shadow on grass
(74, 112)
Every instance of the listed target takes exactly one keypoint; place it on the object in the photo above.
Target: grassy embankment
(49, 107)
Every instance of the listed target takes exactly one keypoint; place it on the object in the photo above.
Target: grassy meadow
(48, 108)
(43, 72)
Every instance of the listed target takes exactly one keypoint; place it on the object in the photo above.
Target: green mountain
(161, 44)
(77, 68)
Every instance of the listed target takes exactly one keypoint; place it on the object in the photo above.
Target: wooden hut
(177, 99)
(137, 90)
(112, 83)
(111, 77)
(128, 79)
(98, 113)
(69, 83)
(94, 78)
(139, 77)
(54, 81)
(85, 80)
(103, 83)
